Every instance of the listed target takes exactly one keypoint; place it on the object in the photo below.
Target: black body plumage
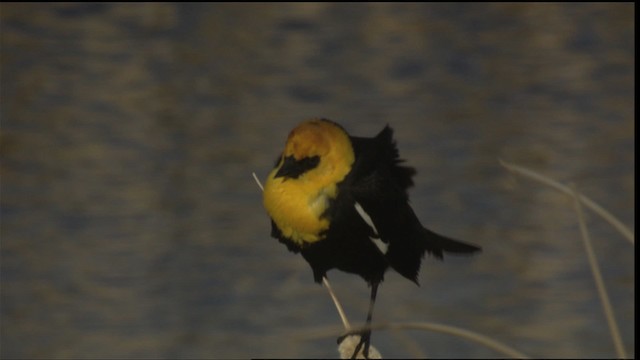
(378, 181)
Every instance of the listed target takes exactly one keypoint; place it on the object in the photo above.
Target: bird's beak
(287, 169)
(292, 168)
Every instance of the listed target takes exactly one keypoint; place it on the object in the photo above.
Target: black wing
(379, 183)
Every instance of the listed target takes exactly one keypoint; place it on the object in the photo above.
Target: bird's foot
(357, 346)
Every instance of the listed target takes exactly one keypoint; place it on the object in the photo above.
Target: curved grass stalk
(617, 224)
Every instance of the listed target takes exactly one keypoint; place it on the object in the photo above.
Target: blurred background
(132, 226)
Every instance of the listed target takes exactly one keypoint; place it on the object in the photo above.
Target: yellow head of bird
(317, 156)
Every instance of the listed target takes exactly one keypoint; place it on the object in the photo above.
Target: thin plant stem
(617, 224)
(255, 177)
(597, 277)
(343, 316)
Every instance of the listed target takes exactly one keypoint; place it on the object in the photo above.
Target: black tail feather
(448, 245)
(406, 256)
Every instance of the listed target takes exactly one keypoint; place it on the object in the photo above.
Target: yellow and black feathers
(331, 194)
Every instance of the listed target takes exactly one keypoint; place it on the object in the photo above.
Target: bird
(342, 202)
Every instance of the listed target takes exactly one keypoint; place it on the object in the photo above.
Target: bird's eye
(292, 168)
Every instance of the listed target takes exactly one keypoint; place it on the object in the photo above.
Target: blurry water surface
(131, 225)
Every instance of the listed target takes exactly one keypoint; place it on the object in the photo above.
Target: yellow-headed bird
(331, 194)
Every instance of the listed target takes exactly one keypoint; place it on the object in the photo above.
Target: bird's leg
(365, 336)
